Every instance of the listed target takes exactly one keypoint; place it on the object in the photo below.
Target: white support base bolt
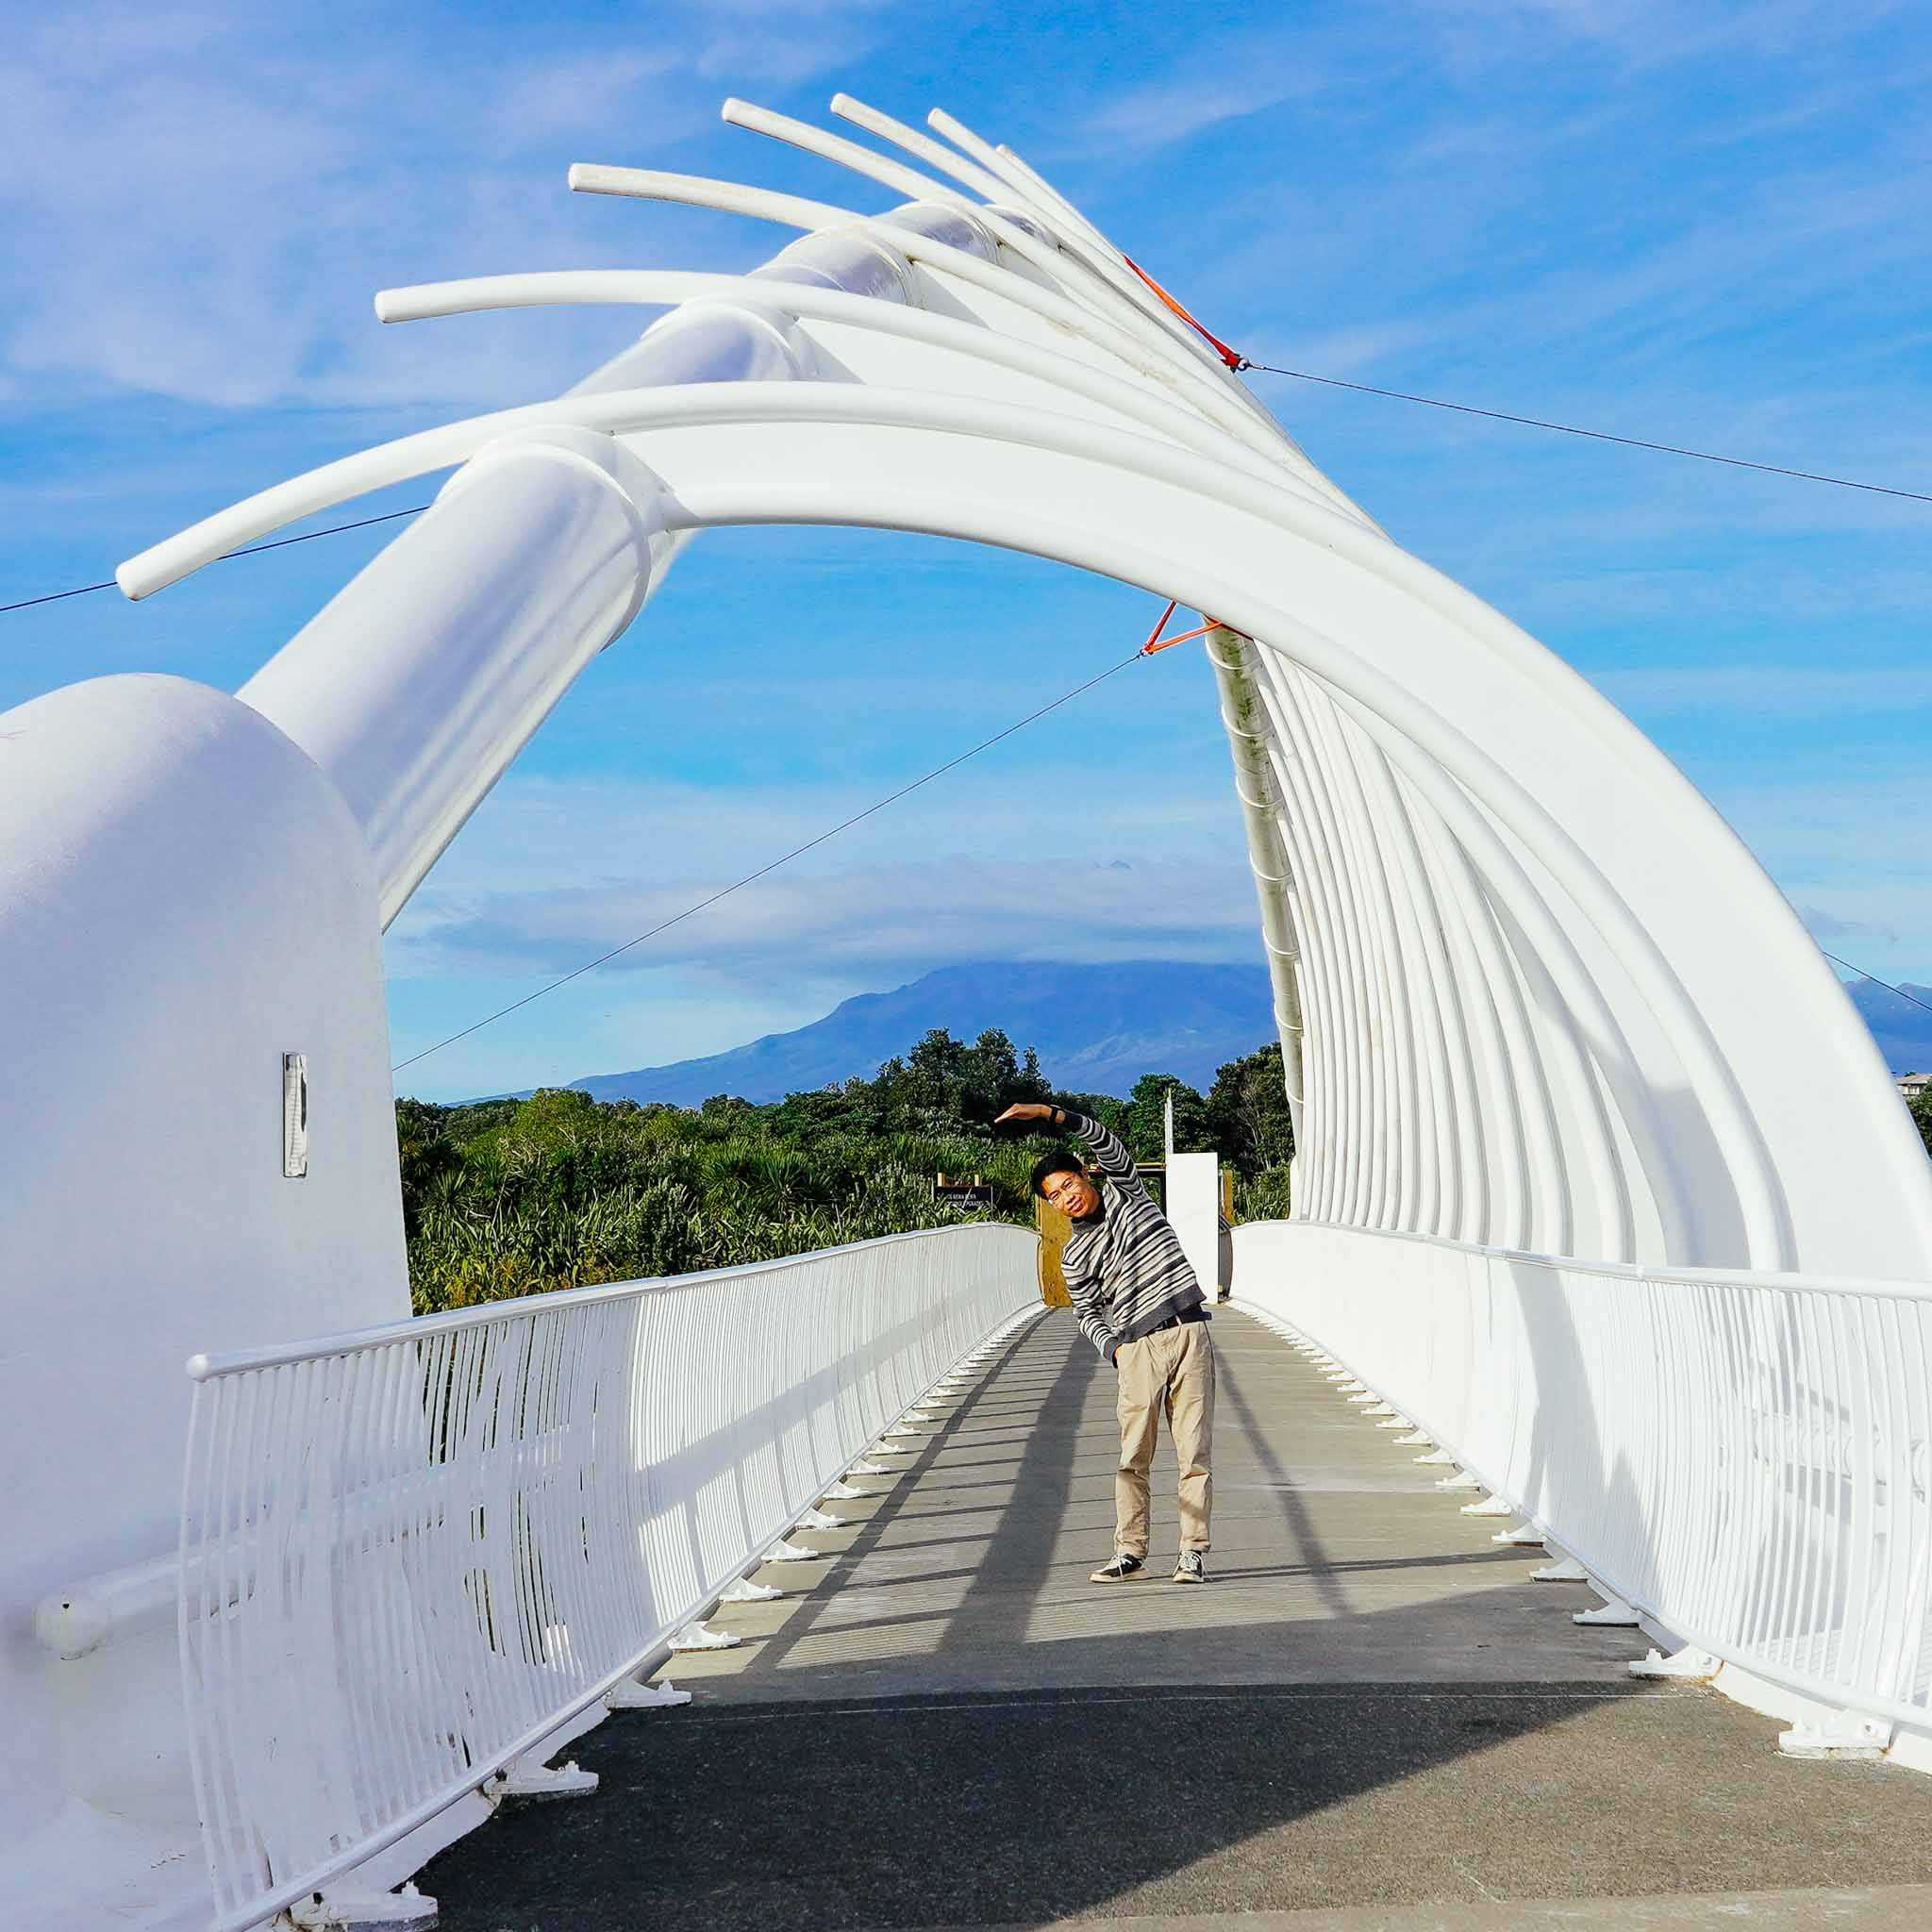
(634, 1696)
(822, 1519)
(1687, 1666)
(1613, 1613)
(1437, 1456)
(1846, 1735)
(1461, 1480)
(1490, 1505)
(790, 1553)
(745, 1592)
(700, 1637)
(527, 1778)
(1524, 1536)
(370, 1910)
(1565, 1570)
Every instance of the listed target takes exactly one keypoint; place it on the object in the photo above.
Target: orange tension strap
(1157, 642)
(1233, 358)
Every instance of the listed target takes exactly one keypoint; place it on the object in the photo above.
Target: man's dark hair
(1061, 1161)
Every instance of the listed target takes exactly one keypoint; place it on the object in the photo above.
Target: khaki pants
(1171, 1370)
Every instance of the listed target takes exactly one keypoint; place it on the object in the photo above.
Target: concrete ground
(1368, 1721)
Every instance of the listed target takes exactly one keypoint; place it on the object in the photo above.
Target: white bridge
(1602, 1186)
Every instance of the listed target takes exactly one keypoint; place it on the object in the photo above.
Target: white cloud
(202, 204)
(549, 875)
(1165, 111)
(876, 920)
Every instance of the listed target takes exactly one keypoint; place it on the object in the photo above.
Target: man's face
(1072, 1194)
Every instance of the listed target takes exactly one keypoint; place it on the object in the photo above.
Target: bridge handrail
(1741, 1456)
(412, 1554)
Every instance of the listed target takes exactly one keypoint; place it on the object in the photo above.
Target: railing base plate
(745, 1592)
(1613, 1613)
(525, 1779)
(1687, 1666)
(1847, 1735)
(635, 1696)
(1565, 1570)
(368, 1911)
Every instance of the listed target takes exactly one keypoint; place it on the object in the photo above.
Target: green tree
(1147, 1123)
(1247, 1113)
(1922, 1116)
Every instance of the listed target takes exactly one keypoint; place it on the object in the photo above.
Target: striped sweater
(1124, 1270)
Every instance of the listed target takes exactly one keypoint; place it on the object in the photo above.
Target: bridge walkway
(1370, 1718)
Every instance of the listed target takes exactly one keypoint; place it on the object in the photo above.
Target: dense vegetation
(510, 1197)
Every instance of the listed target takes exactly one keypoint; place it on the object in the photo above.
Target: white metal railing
(408, 1556)
(1744, 1456)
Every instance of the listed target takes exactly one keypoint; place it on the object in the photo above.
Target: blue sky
(1699, 223)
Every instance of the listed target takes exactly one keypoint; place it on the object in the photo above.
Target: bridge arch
(1591, 874)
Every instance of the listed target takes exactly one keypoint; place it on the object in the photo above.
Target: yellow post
(1054, 1229)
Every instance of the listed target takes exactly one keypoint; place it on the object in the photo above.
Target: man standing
(1137, 1300)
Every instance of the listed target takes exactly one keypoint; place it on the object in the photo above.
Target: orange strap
(1157, 642)
(1233, 358)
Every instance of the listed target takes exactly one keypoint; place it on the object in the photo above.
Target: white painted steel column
(420, 681)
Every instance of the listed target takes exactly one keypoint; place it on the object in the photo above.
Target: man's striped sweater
(1124, 1270)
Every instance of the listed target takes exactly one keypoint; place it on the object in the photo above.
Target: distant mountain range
(1097, 1029)
(1902, 1031)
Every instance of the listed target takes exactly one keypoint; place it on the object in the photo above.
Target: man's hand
(1026, 1111)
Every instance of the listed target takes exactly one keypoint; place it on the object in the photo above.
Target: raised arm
(1109, 1155)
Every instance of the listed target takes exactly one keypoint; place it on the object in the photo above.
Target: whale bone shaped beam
(1075, 238)
(1079, 279)
(1132, 349)
(935, 154)
(1058, 373)
(1107, 261)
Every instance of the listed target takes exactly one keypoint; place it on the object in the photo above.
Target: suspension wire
(796, 852)
(1673, 449)
(1911, 1000)
(389, 516)
(1235, 362)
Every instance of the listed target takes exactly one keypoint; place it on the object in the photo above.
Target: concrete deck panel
(1369, 1714)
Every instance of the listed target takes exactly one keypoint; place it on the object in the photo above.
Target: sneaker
(1120, 1569)
(1189, 1568)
